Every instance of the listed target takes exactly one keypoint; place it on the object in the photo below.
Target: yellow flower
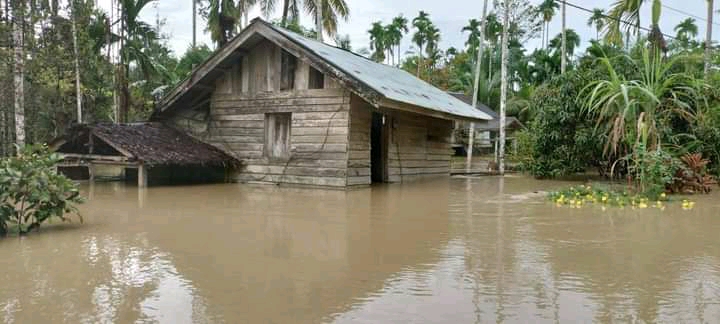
(604, 199)
(663, 195)
(642, 205)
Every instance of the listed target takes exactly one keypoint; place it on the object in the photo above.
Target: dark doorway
(378, 148)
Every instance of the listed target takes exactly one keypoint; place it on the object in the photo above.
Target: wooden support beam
(142, 176)
(93, 157)
(91, 172)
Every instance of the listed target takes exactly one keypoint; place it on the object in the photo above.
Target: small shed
(486, 131)
(141, 147)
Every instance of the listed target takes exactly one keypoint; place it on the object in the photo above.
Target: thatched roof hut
(137, 145)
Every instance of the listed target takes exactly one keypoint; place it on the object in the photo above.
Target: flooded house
(295, 110)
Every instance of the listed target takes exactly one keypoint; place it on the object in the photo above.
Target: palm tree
(244, 6)
(547, 10)
(572, 42)
(222, 18)
(135, 35)
(331, 11)
(598, 19)
(343, 42)
(476, 81)
(493, 29)
(422, 23)
(399, 24)
(432, 45)
(503, 85)
(378, 41)
(686, 29)
(708, 36)
(629, 10)
(290, 11)
(473, 40)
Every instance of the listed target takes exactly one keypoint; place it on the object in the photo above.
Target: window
(277, 135)
(316, 79)
(287, 71)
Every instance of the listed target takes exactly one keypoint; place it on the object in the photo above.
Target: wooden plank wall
(419, 146)
(318, 133)
(359, 142)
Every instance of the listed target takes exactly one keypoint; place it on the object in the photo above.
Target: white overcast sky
(449, 15)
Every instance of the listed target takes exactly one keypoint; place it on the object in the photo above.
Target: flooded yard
(461, 250)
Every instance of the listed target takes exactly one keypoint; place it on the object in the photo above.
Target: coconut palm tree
(572, 42)
(244, 6)
(343, 42)
(547, 10)
(432, 45)
(331, 11)
(473, 40)
(708, 36)
(422, 25)
(598, 20)
(493, 29)
(378, 41)
(400, 28)
(222, 18)
(629, 10)
(686, 29)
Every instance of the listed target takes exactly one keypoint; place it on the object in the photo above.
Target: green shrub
(32, 192)
(561, 138)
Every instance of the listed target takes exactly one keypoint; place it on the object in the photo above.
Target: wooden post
(142, 176)
(91, 172)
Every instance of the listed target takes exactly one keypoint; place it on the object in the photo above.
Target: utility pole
(476, 86)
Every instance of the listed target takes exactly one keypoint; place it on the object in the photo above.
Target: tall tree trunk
(547, 34)
(19, 73)
(286, 7)
(563, 50)
(708, 37)
(476, 86)
(503, 87)
(78, 93)
(318, 19)
(419, 60)
(194, 23)
(398, 52)
(542, 36)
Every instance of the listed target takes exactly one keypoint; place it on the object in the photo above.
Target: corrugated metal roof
(391, 82)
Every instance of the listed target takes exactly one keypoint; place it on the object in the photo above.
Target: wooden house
(298, 111)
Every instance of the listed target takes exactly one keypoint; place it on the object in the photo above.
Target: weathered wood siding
(359, 142)
(418, 146)
(235, 122)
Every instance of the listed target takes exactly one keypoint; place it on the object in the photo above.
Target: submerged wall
(418, 146)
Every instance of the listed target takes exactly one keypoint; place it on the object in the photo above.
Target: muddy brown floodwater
(461, 250)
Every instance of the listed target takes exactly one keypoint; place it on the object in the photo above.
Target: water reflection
(472, 250)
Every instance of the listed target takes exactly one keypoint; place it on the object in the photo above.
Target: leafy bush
(32, 192)
(561, 138)
(655, 171)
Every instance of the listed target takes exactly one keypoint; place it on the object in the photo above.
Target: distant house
(298, 111)
(486, 131)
